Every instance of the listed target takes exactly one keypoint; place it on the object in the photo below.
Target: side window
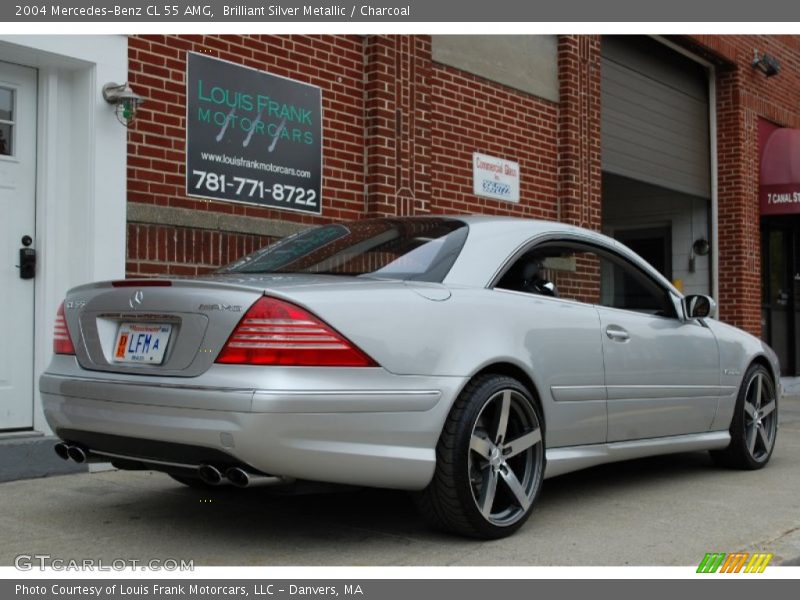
(586, 274)
(556, 270)
(625, 286)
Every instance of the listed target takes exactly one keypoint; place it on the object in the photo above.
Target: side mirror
(698, 306)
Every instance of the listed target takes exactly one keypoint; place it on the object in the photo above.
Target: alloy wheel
(505, 458)
(761, 421)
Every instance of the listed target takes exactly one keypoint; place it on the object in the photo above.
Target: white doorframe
(81, 172)
(18, 201)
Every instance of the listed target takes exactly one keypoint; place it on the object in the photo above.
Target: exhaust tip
(238, 477)
(77, 454)
(209, 474)
(62, 450)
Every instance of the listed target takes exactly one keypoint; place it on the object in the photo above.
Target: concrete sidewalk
(791, 387)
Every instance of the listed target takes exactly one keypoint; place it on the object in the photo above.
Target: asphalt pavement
(659, 511)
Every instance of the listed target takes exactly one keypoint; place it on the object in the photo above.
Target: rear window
(420, 249)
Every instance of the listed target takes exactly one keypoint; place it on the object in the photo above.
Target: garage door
(654, 115)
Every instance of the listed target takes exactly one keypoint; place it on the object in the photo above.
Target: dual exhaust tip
(208, 473)
(213, 476)
(76, 453)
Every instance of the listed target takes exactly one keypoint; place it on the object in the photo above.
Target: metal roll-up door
(654, 115)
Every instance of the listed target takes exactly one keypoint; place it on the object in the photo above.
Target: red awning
(779, 184)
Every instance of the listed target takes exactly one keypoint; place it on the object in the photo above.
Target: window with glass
(419, 249)
(7, 98)
(587, 274)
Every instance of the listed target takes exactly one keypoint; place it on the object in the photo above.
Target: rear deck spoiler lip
(162, 282)
(265, 284)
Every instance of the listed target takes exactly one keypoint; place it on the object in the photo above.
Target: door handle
(617, 333)
(27, 263)
(27, 259)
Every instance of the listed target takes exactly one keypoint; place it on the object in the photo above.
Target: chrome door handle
(617, 333)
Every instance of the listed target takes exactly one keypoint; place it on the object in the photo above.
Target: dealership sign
(252, 137)
(494, 177)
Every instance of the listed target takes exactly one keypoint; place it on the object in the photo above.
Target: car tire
(754, 426)
(490, 461)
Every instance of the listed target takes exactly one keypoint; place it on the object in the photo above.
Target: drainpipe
(712, 132)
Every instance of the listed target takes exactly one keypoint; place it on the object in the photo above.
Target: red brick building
(683, 147)
(403, 115)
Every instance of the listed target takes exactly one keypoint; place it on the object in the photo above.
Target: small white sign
(494, 177)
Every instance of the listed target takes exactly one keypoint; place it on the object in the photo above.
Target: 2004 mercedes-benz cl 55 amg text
(463, 358)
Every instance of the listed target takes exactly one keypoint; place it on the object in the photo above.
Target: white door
(17, 214)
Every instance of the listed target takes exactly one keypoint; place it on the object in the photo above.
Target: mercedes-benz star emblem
(136, 299)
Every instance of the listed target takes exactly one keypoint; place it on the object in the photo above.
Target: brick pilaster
(579, 176)
(397, 107)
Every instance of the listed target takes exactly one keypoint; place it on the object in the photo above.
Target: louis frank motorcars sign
(252, 136)
(494, 177)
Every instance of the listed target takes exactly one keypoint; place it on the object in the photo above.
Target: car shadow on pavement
(351, 513)
(621, 475)
(146, 514)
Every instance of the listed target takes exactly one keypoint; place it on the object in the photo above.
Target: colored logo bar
(738, 562)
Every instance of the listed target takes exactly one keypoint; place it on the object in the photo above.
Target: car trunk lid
(158, 327)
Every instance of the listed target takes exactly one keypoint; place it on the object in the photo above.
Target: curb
(30, 457)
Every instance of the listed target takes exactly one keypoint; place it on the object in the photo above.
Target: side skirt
(574, 458)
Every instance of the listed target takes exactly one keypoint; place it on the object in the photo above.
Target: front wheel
(490, 461)
(755, 423)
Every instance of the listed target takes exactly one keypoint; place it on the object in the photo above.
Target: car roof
(494, 239)
(505, 221)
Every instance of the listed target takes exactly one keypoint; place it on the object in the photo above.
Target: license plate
(142, 343)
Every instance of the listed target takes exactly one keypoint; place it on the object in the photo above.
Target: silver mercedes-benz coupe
(463, 358)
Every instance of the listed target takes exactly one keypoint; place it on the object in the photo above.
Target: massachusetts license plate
(142, 342)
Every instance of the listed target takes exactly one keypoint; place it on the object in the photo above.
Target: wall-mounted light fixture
(700, 247)
(125, 101)
(766, 63)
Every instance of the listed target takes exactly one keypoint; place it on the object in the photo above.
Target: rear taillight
(62, 344)
(274, 332)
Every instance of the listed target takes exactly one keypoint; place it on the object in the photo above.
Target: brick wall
(399, 132)
(156, 141)
(743, 95)
(579, 176)
(166, 250)
(398, 125)
(473, 115)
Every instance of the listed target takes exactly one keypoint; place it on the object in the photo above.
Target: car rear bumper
(363, 428)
